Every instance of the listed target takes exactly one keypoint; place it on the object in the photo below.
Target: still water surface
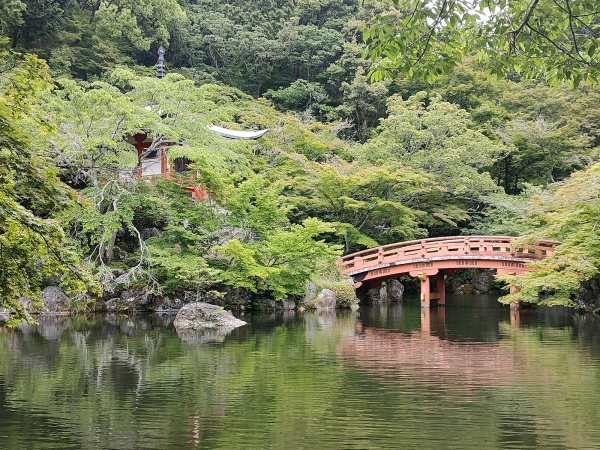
(469, 376)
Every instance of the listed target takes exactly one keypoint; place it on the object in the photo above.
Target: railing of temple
(454, 247)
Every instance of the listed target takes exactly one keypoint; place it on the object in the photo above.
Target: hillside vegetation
(348, 163)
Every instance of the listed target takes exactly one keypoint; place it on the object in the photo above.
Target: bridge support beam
(439, 293)
(440, 288)
(425, 290)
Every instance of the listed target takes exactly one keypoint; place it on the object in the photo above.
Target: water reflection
(426, 357)
(383, 377)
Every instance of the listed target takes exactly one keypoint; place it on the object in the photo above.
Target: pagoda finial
(160, 65)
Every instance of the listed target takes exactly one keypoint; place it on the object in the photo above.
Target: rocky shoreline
(142, 299)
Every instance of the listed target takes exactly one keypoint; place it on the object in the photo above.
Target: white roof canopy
(234, 134)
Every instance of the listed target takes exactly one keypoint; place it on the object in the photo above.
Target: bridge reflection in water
(431, 260)
(428, 357)
(437, 316)
(434, 354)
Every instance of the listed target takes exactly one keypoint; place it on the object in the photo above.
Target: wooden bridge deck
(432, 259)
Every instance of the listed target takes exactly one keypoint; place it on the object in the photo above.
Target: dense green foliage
(30, 195)
(440, 148)
(557, 40)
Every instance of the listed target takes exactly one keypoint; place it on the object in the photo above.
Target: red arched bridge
(432, 259)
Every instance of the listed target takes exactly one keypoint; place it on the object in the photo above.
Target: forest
(382, 129)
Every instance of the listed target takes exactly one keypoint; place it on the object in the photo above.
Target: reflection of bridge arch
(432, 259)
(424, 357)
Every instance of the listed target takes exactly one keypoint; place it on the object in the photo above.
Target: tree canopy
(553, 39)
(33, 245)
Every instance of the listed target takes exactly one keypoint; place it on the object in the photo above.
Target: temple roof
(235, 134)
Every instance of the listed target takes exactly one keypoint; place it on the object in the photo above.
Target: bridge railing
(501, 246)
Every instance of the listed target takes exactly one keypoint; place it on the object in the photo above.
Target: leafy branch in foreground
(32, 243)
(554, 39)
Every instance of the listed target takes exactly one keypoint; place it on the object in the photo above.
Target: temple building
(156, 162)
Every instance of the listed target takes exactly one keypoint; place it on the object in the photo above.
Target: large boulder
(377, 295)
(395, 291)
(588, 297)
(55, 300)
(326, 299)
(483, 281)
(203, 316)
(137, 299)
(311, 293)
(147, 233)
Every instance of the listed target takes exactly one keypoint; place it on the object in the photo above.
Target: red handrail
(447, 246)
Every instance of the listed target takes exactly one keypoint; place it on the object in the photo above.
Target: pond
(470, 375)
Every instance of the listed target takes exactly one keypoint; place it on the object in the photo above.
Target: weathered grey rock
(482, 281)
(466, 289)
(147, 233)
(325, 299)
(55, 300)
(202, 316)
(453, 284)
(224, 234)
(118, 254)
(269, 305)
(395, 291)
(30, 305)
(588, 297)
(236, 298)
(167, 303)
(137, 299)
(377, 295)
(111, 305)
(288, 304)
(311, 293)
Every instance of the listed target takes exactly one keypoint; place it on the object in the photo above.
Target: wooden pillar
(514, 306)
(440, 288)
(425, 290)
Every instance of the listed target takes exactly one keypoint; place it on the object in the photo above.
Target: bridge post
(514, 306)
(425, 290)
(440, 288)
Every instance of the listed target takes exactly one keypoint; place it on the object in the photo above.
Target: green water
(469, 376)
